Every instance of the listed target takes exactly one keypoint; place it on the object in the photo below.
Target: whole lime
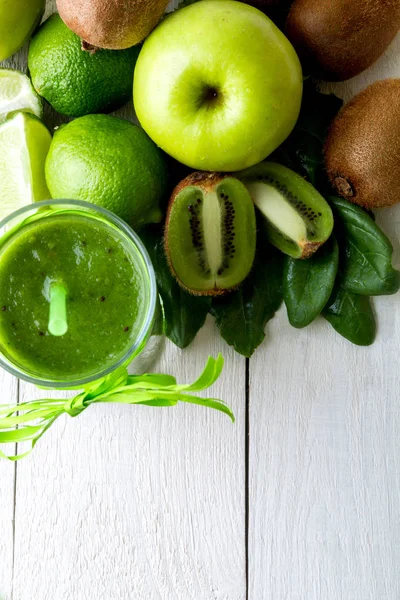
(18, 19)
(109, 162)
(74, 81)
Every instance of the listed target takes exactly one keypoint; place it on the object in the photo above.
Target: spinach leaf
(303, 149)
(366, 252)
(184, 314)
(351, 316)
(308, 284)
(241, 316)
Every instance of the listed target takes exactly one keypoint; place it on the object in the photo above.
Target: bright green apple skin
(18, 19)
(225, 48)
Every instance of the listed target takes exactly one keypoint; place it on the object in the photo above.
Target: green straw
(58, 310)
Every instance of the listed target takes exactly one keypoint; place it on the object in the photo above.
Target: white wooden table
(299, 500)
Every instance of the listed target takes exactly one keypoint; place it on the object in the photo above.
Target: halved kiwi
(210, 233)
(298, 219)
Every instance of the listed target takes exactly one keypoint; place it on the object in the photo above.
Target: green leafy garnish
(308, 284)
(366, 252)
(184, 314)
(241, 316)
(351, 316)
(28, 421)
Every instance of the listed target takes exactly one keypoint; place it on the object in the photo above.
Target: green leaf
(303, 149)
(152, 379)
(351, 316)
(241, 316)
(308, 284)
(366, 252)
(149, 389)
(184, 314)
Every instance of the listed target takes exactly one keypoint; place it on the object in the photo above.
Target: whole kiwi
(337, 39)
(112, 24)
(362, 150)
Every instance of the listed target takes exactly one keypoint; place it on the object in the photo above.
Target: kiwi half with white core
(210, 233)
(298, 219)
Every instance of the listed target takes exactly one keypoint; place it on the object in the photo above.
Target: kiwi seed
(298, 219)
(210, 233)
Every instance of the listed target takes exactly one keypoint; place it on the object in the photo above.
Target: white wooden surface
(154, 504)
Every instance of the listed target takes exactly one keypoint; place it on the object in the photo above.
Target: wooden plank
(137, 502)
(324, 448)
(8, 388)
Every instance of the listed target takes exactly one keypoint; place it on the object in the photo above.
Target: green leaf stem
(28, 421)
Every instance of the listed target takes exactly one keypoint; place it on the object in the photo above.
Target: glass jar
(56, 222)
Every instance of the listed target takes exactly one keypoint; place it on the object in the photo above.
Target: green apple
(18, 19)
(218, 86)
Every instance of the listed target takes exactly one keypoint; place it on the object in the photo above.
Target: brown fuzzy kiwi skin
(338, 39)
(308, 249)
(111, 24)
(362, 150)
(206, 181)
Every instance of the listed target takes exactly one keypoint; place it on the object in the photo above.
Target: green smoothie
(106, 297)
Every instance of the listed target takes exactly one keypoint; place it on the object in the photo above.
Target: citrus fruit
(74, 81)
(17, 93)
(109, 162)
(18, 19)
(24, 143)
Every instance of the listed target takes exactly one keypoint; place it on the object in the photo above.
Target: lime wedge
(17, 93)
(24, 143)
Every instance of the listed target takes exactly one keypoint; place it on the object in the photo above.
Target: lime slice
(24, 143)
(17, 93)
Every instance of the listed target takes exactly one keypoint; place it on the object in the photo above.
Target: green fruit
(115, 24)
(338, 39)
(218, 86)
(24, 143)
(18, 19)
(110, 162)
(210, 233)
(362, 150)
(17, 94)
(298, 219)
(77, 82)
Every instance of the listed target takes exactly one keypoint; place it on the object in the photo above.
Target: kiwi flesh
(297, 218)
(112, 24)
(338, 39)
(362, 150)
(210, 233)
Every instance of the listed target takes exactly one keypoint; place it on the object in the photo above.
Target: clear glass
(15, 223)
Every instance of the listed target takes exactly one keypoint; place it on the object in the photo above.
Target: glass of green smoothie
(77, 293)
